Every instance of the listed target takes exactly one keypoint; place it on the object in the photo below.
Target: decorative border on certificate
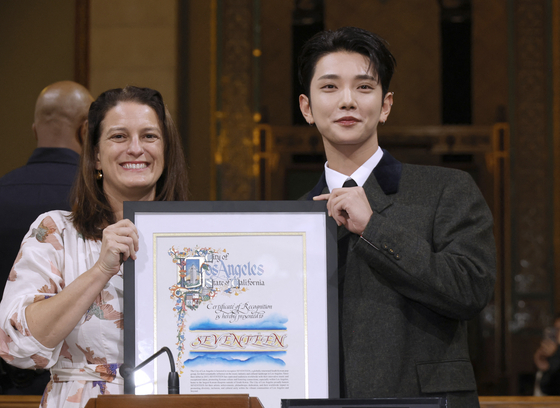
(243, 293)
(234, 330)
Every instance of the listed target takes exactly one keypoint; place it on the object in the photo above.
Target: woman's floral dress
(85, 364)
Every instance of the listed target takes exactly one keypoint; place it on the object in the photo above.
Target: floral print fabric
(85, 364)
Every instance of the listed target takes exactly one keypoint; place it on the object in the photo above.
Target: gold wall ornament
(234, 145)
(529, 286)
(556, 140)
(531, 164)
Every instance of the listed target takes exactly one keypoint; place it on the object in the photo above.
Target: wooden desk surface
(33, 401)
(20, 401)
(519, 402)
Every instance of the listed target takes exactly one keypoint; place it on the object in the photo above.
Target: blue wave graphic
(272, 322)
(234, 359)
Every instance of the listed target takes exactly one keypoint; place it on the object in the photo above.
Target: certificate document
(242, 297)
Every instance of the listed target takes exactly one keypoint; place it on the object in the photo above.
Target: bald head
(60, 113)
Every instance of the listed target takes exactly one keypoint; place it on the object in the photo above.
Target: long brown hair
(91, 211)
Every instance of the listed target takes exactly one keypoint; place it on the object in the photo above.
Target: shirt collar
(336, 180)
(54, 155)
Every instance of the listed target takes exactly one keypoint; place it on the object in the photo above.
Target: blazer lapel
(388, 173)
(375, 195)
(319, 188)
(383, 182)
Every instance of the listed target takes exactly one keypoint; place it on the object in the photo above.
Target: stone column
(234, 118)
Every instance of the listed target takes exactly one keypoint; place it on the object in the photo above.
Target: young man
(415, 244)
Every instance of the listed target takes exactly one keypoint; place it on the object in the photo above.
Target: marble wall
(134, 43)
(36, 49)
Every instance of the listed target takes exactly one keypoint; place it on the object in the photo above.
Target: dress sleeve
(36, 275)
(453, 271)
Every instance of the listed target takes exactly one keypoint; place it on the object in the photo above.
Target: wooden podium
(20, 401)
(175, 401)
(238, 401)
(245, 401)
(519, 402)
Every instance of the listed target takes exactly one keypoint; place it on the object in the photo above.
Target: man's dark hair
(348, 39)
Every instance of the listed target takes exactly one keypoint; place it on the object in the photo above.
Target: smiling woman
(62, 304)
(137, 120)
(130, 153)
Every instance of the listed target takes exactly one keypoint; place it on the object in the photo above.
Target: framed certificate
(419, 402)
(244, 294)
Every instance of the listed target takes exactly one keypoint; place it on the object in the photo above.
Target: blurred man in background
(547, 360)
(43, 184)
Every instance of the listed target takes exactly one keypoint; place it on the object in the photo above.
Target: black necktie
(343, 244)
(349, 183)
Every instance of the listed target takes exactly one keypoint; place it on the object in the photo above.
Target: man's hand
(349, 207)
(548, 348)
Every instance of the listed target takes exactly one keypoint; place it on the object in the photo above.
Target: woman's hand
(120, 242)
(52, 319)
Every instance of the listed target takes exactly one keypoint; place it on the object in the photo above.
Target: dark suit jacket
(424, 265)
(550, 380)
(43, 184)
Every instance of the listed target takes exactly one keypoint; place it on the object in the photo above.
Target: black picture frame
(418, 402)
(131, 209)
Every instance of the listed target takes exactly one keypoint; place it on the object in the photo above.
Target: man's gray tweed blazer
(423, 267)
